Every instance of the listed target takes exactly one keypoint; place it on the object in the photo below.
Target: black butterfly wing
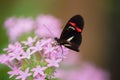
(71, 36)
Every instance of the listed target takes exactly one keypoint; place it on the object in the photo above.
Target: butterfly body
(71, 35)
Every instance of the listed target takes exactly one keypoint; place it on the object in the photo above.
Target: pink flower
(15, 51)
(4, 58)
(49, 49)
(10, 22)
(86, 72)
(46, 41)
(25, 24)
(30, 41)
(14, 48)
(73, 59)
(16, 27)
(61, 52)
(10, 48)
(27, 54)
(23, 75)
(15, 71)
(17, 56)
(38, 47)
(53, 62)
(48, 26)
(40, 78)
(38, 70)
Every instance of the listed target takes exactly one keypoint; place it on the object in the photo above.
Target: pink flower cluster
(87, 71)
(47, 26)
(17, 26)
(34, 59)
(43, 26)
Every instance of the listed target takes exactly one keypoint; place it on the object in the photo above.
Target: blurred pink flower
(44, 26)
(49, 49)
(15, 71)
(38, 47)
(15, 51)
(15, 56)
(27, 54)
(63, 53)
(73, 59)
(53, 62)
(4, 58)
(40, 78)
(48, 26)
(13, 47)
(23, 74)
(30, 41)
(38, 70)
(10, 22)
(87, 71)
(26, 24)
(17, 26)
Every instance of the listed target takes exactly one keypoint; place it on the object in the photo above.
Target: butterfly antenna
(53, 35)
(48, 30)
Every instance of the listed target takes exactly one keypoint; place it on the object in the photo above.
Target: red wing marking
(78, 29)
(75, 26)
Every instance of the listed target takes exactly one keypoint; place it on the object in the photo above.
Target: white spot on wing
(69, 39)
(70, 27)
(67, 45)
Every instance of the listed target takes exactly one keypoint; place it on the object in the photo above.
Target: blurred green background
(100, 36)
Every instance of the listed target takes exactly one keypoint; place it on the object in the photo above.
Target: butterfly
(71, 36)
